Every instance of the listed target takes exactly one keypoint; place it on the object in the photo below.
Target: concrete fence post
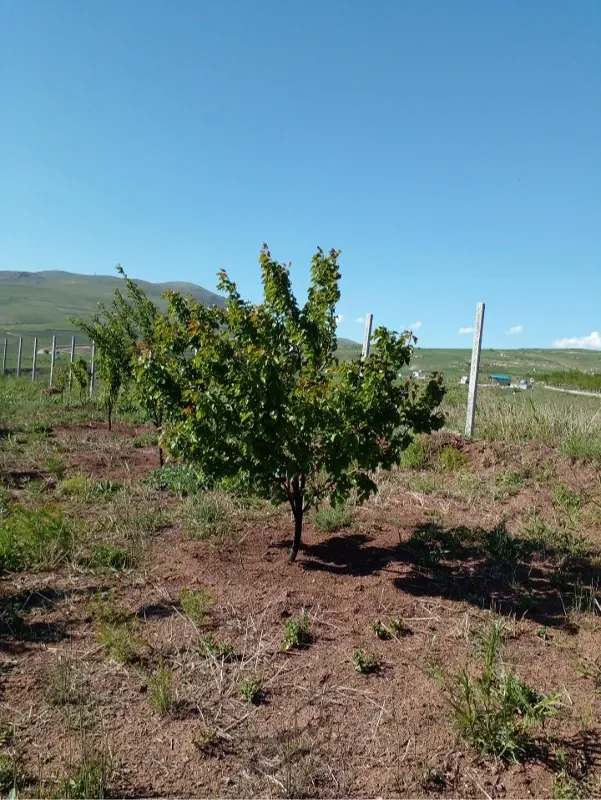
(4, 357)
(92, 368)
(72, 359)
(367, 335)
(52, 358)
(19, 356)
(474, 370)
(35, 357)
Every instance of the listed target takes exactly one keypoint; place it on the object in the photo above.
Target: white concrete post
(474, 370)
(35, 357)
(52, 357)
(19, 356)
(92, 368)
(4, 357)
(367, 335)
(72, 359)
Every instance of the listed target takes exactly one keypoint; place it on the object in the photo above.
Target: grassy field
(441, 640)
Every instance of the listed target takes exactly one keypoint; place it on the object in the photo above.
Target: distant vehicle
(464, 380)
(419, 374)
(500, 380)
(525, 384)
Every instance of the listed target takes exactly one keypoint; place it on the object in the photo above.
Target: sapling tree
(117, 332)
(255, 392)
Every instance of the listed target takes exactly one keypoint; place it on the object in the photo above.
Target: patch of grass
(89, 778)
(160, 691)
(182, 480)
(76, 485)
(146, 440)
(553, 541)
(565, 787)
(107, 488)
(567, 500)
(431, 545)
(35, 538)
(55, 466)
(251, 691)
(209, 515)
(364, 662)
(116, 628)
(583, 445)
(590, 668)
(425, 484)
(11, 774)
(451, 459)
(111, 556)
(296, 632)
(195, 605)
(217, 649)
(61, 687)
(495, 711)
(500, 546)
(584, 599)
(508, 483)
(329, 519)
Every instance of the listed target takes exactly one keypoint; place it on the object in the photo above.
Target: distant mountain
(37, 302)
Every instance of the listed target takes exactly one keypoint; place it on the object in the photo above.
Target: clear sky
(451, 150)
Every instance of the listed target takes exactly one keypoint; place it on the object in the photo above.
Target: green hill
(36, 303)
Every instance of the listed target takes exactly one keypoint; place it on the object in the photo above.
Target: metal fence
(39, 357)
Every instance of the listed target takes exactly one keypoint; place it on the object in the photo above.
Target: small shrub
(81, 373)
(147, 440)
(365, 663)
(417, 455)
(296, 632)
(195, 605)
(451, 459)
(495, 711)
(119, 641)
(107, 488)
(251, 691)
(216, 649)
(328, 519)
(500, 546)
(35, 538)
(160, 691)
(182, 480)
(380, 630)
(55, 466)
(11, 775)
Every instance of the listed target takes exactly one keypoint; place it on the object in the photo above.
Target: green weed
(160, 690)
(55, 466)
(393, 627)
(89, 778)
(364, 662)
(76, 485)
(217, 649)
(329, 519)
(11, 775)
(251, 691)
(451, 459)
(507, 484)
(567, 500)
(209, 516)
(35, 538)
(195, 605)
(110, 556)
(417, 455)
(61, 687)
(495, 711)
(182, 480)
(296, 632)
(147, 440)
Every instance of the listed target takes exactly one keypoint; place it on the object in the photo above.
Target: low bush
(35, 538)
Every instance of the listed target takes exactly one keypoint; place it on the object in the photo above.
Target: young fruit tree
(117, 332)
(255, 392)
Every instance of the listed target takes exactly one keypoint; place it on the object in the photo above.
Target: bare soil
(321, 729)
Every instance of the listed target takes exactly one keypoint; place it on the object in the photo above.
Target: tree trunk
(298, 519)
(160, 456)
(110, 414)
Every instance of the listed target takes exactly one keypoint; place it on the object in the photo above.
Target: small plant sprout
(160, 690)
(394, 627)
(296, 632)
(222, 650)
(364, 662)
(251, 691)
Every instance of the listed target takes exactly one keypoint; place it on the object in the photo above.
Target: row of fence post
(52, 361)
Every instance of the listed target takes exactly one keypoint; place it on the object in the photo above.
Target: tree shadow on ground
(16, 631)
(550, 582)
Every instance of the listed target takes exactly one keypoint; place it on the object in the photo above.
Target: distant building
(500, 380)
(419, 373)
(464, 380)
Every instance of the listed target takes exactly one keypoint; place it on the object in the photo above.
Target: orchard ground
(155, 642)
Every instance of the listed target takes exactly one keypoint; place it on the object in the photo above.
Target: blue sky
(449, 149)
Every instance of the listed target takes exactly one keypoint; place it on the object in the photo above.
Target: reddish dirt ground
(323, 729)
